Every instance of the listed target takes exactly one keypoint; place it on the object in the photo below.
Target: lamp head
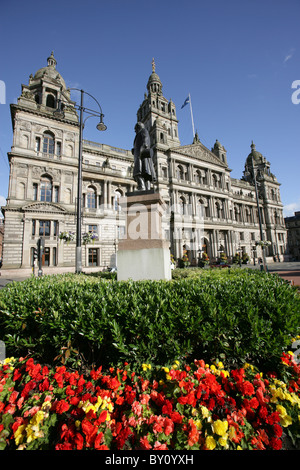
(101, 126)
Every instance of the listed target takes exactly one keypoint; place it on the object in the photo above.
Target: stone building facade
(207, 210)
(293, 235)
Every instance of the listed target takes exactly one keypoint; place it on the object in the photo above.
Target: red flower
(263, 412)
(247, 388)
(159, 446)
(167, 407)
(90, 431)
(61, 406)
(98, 441)
(273, 418)
(13, 396)
(145, 445)
(277, 430)
(102, 417)
(275, 444)
(65, 446)
(17, 375)
(168, 426)
(176, 417)
(44, 385)
(79, 441)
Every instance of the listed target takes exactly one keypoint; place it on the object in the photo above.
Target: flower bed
(197, 407)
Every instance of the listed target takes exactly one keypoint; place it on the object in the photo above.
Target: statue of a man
(143, 170)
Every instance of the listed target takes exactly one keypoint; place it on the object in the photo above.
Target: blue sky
(237, 59)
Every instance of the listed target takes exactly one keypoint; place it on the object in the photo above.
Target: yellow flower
(286, 421)
(204, 411)
(220, 365)
(198, 424)
(37, 418)
(9, 360)
(224, 372)
(166, 369)
(18, 435)
(239, 448)
(223, 441)
(146, 366)
(77, 424)
(281, 410)
(213, 368)
(210, 443)
(220, 427)
(232, 433)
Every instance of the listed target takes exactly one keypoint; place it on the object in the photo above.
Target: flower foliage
(67, 236)
(190, 407)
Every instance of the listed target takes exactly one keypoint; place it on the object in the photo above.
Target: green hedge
(231, 315)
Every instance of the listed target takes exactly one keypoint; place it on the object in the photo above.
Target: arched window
(182, 205)
(21, 191)
(46, 189)
(68, 199)
(91, 198)
(180, 172)
(48, 143)
(218, 210)
(215, 180)
(116, 204)
(50, 101)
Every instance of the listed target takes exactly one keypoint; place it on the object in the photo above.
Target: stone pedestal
(143, 253)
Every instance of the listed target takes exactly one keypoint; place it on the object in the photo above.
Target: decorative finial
(51, 60)
(153, 65)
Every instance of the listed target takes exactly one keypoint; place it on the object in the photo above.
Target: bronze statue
(143, 170)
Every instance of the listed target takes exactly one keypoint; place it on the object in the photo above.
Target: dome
(257, 156)
(50, 72)
(154, 84)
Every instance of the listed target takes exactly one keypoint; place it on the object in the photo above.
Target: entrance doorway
(46, 257)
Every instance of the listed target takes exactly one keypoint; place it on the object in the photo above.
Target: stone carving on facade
(43, 207)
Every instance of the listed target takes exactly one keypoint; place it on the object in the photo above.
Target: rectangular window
(58, 149)
(44, 228)
(48, 144)
(55, 228)
(56, 193)
(54, 262)
(46, 191)
(35, 191)
(93, 257)
(33, 227)
(37, 144)
(91, 200)
(93, 229)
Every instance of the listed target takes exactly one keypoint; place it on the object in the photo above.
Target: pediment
(43, 207)
(199, 152)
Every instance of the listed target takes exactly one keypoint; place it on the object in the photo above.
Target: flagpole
(190, 100)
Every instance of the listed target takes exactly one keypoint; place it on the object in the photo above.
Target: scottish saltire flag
(186, 102)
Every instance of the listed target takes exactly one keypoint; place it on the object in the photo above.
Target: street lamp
(101, 127)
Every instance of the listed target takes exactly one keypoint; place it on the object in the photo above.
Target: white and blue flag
(186, 102)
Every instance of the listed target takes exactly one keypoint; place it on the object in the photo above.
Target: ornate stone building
(293, 235)
(207, 209)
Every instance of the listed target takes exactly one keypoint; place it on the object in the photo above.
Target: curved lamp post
(101, 127)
